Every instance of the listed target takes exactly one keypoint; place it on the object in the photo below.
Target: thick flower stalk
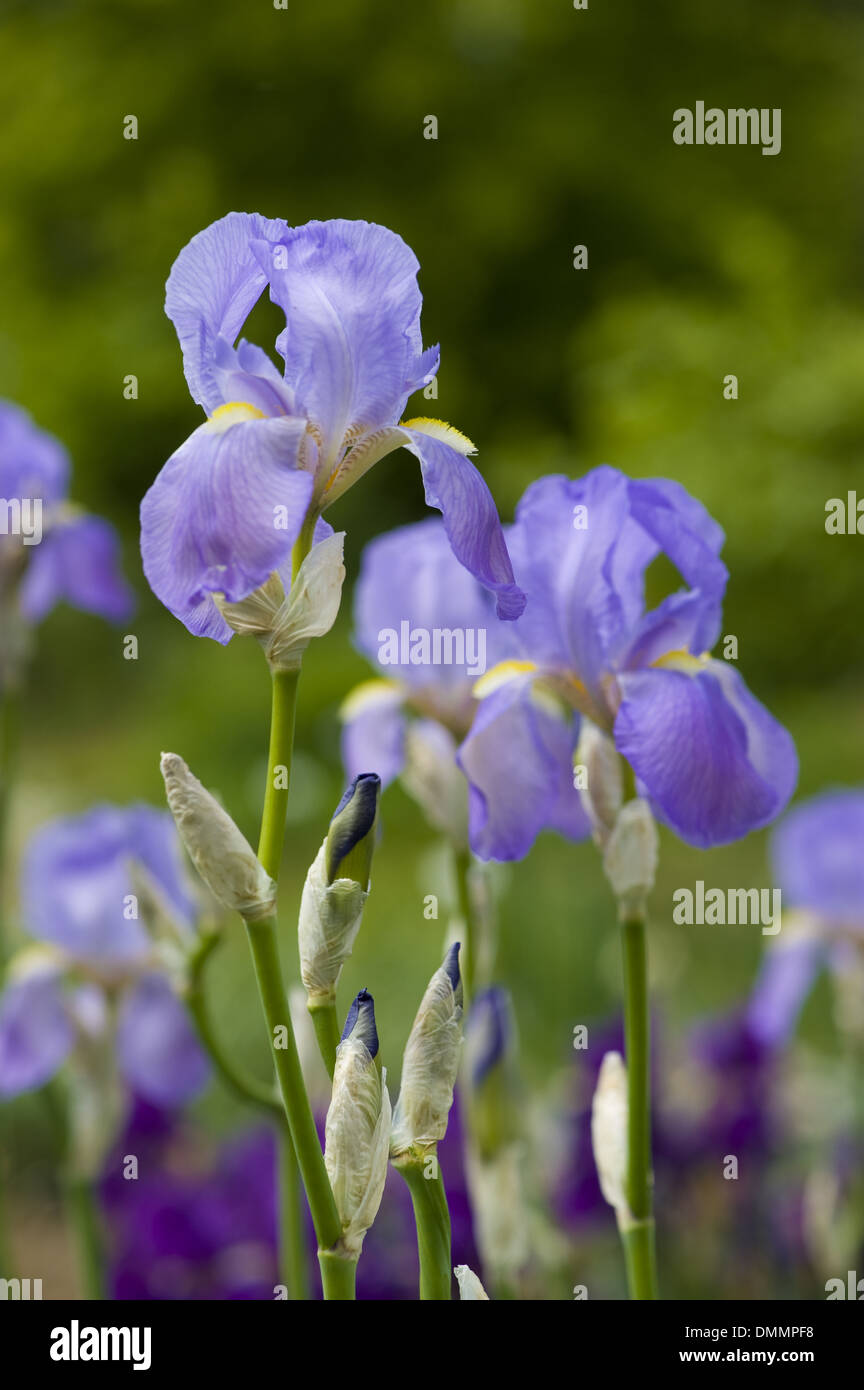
(331, 908)
(429, 1068)
(357, 1135)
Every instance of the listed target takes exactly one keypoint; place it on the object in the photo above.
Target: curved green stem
(638, 1236)
(278, 770)
(432, 1218)
(246, 1088)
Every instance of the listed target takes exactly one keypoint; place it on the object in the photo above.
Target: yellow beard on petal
(234, 413)
(683, 661)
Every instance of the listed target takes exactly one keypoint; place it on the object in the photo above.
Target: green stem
(83, 1210)
(432, 1218)
(246, 1088)
(467, 955)
(278, 770)
(322, 1011)
(293, 1264)
(338, 1276)
(638, 1236)
(271, 987)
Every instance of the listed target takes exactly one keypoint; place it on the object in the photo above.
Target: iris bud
(470, 1288)
(430, 1063)
(350, 840)
(609, 1133)
(223, 857)
(336, 889)
(357, 1130)
(602, 797)
(630, 857)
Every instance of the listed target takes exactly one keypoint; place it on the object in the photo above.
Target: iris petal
(213, 285)
(714, 762)
(213, 521)
(158, 1051)
(78, 561)
(352, 346)
(36, 1034)
(458, 490)
(518, 759)
(373, 731)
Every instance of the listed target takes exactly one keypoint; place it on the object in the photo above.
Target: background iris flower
(226, 509)
(78, 556)
(818, 866)
(710, 758)
(100, 973)
(410, 575)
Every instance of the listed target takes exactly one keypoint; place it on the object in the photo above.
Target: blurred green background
(554, 129)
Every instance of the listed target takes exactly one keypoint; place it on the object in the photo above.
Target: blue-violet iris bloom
(59, 551)
(226, 509)
(79, 897)
(710, 758)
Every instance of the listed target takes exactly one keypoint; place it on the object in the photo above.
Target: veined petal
(159, 1054)
(79, 561)
(411, 576)
(458, 490)
(213, 285)
(222, 515)
(36, 1033)
(518, 759)
(713, 761)
(351, 345)
(373, 731)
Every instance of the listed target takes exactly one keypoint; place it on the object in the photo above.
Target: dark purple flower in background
(68, 555)
(80, 896)
(226, 509)
(712, 761)
(201, 1224)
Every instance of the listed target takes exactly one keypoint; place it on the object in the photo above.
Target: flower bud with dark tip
(357, 1131)
(430, 1063)
(336, 888)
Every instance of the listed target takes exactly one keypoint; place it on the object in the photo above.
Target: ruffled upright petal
(214, 283)
(458, 490)
(518, 759)
(352, 346)
(36, 1033)
(222, 515)
(79, 561)
(713, 761)
(158, 1051)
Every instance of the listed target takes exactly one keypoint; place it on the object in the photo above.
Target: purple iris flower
(818, 866)
(81, 877)
(60, 553)
(226, 509)
(712, 761)
(411, 588)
